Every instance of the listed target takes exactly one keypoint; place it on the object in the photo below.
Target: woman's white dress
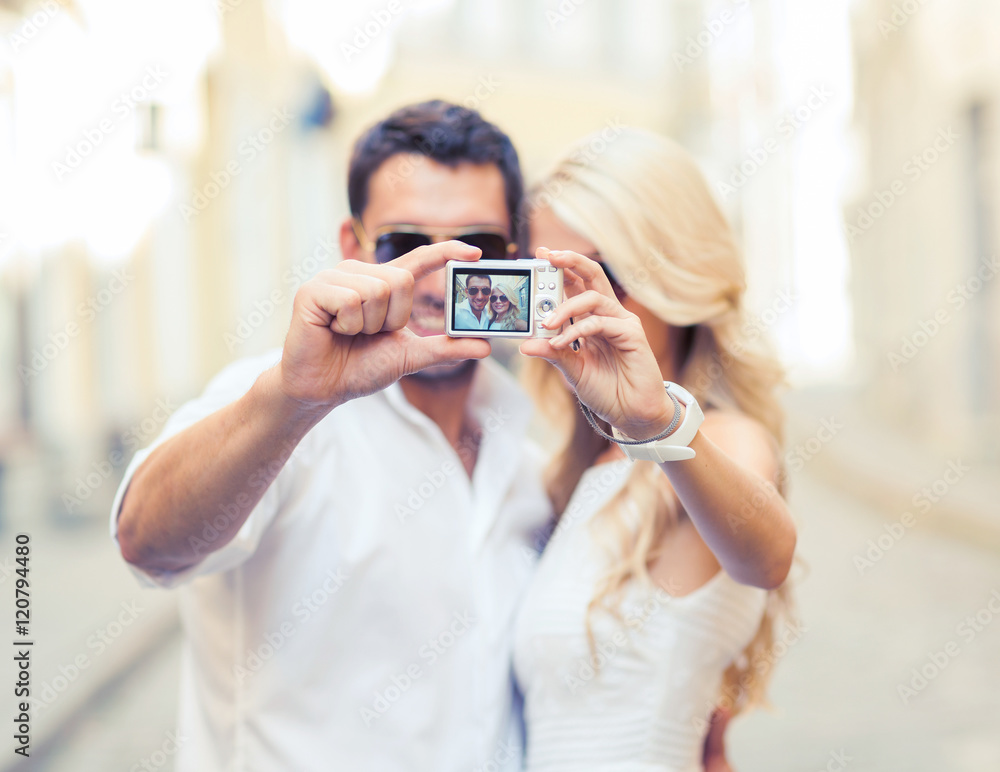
(647, 705)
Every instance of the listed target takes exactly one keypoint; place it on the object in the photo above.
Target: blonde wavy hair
(648, 209)
(513, 310)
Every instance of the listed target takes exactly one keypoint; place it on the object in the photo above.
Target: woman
(504, 312)
(655, 598)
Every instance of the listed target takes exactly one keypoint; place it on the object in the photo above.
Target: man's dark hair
(444, 132)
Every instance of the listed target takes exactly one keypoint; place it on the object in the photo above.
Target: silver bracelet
(592, 420)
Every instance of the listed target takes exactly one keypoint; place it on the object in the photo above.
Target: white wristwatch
(673, 447)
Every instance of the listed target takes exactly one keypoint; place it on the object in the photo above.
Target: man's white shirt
(465, 319)
(362, 618)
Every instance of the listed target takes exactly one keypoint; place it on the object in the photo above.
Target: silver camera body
(533, 287)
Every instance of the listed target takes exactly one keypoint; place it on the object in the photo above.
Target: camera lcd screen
(495, 300)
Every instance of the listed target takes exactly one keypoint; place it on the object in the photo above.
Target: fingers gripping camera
(501, 298)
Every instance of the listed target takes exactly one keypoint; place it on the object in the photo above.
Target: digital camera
(501, 298)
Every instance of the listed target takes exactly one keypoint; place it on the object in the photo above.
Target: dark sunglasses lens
(389, 246)
(501, 298)
(494, 246)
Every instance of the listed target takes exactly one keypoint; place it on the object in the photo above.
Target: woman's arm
(730, 492)
(729, 489)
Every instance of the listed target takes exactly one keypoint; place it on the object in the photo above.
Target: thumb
(441, 350)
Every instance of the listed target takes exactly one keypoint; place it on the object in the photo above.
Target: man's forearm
(212, 473)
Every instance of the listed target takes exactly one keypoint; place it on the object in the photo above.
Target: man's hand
(348, 335)
(347, 338)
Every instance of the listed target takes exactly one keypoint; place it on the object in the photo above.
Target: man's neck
(444, 401)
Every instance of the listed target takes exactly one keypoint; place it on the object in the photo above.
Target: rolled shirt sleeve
(228, 386)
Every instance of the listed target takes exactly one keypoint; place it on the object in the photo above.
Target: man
(471, 313)
(350, 550)
(350, 566)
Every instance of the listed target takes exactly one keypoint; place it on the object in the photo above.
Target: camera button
(552, 285)
(545, 307)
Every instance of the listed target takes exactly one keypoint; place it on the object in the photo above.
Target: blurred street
(836, 691)
(172, 173)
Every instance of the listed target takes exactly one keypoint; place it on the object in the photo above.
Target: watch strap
(675, 446)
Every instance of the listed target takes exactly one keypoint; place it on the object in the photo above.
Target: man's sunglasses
(392, 241)
(477, 290)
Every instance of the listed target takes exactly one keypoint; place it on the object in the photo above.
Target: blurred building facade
(245, 147)
(922, 221)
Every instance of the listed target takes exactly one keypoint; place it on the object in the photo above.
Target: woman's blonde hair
(646, 206)
(513, 310)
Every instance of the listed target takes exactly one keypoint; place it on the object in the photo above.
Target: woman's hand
(614, 372)
(735, 470)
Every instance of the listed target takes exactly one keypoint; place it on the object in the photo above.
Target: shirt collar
(496, 401)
